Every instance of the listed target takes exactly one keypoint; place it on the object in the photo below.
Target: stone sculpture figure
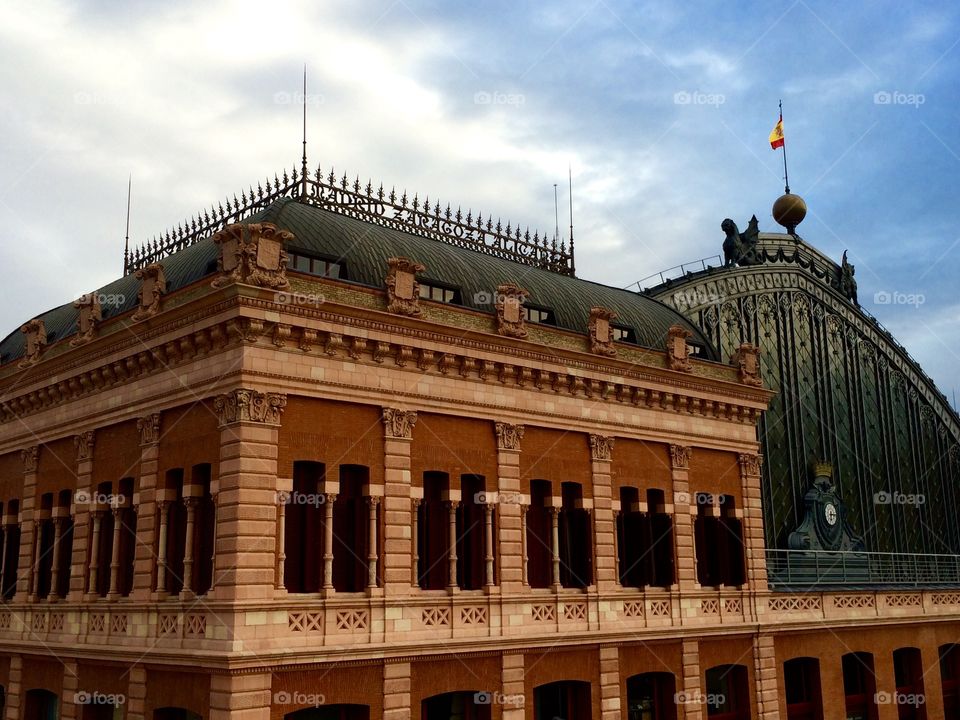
(740, 248)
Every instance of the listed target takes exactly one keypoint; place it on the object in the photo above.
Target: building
(334, 453)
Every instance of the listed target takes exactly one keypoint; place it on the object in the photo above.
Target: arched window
(908, 672)
(331, 712)
(651, 696)
(859, 686)
(728, 693)
(802, 689)
(950, 680)
(41, 705)
(464, 705)
(567, 699)
(175, 713)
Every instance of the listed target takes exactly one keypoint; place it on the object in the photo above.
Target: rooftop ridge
(387, 209)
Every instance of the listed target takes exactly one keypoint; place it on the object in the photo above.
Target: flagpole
(786, 178)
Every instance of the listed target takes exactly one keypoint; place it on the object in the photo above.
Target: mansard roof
(364, 247)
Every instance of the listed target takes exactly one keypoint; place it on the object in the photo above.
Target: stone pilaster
(146, 550)
(30, 458)
(766, 677)
(82, 499)
(886, 685)
(753, 539)
(396, 690)
(605, 574)
(512, 678)
(683, 509)
(692, 707)
(136, 693)
(397, 506)
(509, 506)
(246, 537)
(932, 682)
(610, 683)
(68, 701)
(240, 696)
(14, 689)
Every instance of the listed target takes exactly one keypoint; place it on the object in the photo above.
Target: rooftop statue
(740, 248)
(846, 282)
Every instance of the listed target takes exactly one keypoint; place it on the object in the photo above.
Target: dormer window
(541, 315)
(322, 267)
(624, 334)
(439, 293)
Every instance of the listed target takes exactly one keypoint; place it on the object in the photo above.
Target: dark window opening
(624, 334)
(733, 570)
(64, 553)
(469, 705)
(539, 535)
(41, 705)
(204, 530)
(541, 315)
(434, 532)
(802, 688)
(908, 672)
(651, 696)
(471, 521)
(567, 699)
(11, 550)
(633, 540)
(176, 532)
(303, 530)
(859, 686)
(950, 680)
(331, 712)
(661, 540)
(350, 521)
(576, 546)
(728, 693)
(706, 532)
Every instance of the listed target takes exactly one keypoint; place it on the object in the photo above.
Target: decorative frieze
(511, 320)
(601, 447)
(747, 359)
(153, 284)
(508, 435)
(252, 254)
(84, 445)
(399, 423)
(35, 342)
(601, 335)
(680, 457)
(750, 464)
(403, 290)
(249, 406)
(678, 352)
(89, 316)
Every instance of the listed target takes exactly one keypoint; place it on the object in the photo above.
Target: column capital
(149, 429)
(30, 457)
(373, 500)
(243, 405)
(508, 436)
(601, 447)
(399, 423)
(750, 464)
(680, 457)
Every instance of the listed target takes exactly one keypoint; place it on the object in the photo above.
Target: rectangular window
(621, 333)
(321, 267)
(438, 293)
(538, 315)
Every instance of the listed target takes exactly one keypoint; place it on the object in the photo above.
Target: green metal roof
(364, 248)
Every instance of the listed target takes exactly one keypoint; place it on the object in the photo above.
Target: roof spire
(303, 173)
(126, 240)
(573, 266)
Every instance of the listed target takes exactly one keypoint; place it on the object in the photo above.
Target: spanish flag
(776, 135)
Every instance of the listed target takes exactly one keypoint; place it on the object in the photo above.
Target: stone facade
(150, 484)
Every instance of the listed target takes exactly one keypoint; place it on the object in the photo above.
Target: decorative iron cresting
(425, 218)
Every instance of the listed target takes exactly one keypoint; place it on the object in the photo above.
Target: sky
(661, 110)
